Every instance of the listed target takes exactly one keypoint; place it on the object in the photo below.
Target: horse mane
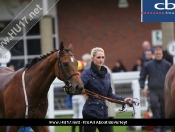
(37, 59)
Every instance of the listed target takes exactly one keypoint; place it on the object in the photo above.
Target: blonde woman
(97, 80)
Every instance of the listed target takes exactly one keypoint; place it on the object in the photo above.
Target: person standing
(111, 106)
(78, 100)
(97, 80)
(146, 46)
(119, 67)
(87, 58)
(156, 71)
(149, 55)
(138, 65)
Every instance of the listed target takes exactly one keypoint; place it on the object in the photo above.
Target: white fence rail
(126, 84)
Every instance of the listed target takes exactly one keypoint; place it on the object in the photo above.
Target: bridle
(68, 84)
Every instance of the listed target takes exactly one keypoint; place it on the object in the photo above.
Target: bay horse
(35, 80)
(169, 95)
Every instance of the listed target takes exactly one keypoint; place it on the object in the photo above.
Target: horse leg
(14, 128)
(2, 116)
(172, 128)
(40, 128)
(3, 128)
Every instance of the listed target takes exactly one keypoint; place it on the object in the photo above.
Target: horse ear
(61, 46)
(71, 47)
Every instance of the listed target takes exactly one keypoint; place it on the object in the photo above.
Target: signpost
(5, 58)
(156, 37)
(171, 49)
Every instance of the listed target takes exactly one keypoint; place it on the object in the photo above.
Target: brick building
(92, 23)
(85, 23)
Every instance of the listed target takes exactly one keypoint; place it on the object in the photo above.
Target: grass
(115, 128)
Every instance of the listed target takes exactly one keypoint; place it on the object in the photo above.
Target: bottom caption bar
(62, 122)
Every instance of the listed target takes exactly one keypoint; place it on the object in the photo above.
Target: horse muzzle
(73, 90)
(78, 89)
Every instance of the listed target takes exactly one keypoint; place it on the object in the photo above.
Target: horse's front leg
(14, 128)
(40, 128)
(172, 128)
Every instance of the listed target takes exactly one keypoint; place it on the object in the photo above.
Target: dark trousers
(112, 130)
(157, 103)
(157, 107)
(93, 128)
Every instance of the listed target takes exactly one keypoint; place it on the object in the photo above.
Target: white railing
(118, 78)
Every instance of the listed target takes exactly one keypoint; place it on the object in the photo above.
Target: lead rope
(25, 95)
(135, 101)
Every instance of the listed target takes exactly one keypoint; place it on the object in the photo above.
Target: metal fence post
(136, 94)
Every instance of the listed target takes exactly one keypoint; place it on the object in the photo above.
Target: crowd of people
(146, 55)
(153, 68)
(97, 78)
(155, 71)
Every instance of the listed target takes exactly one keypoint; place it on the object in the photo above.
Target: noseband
(68, 84)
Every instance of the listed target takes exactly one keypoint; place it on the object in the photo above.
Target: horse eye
(65, 64)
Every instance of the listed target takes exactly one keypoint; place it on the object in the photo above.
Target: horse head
(67, 70)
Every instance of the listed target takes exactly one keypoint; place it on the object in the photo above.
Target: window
(34, 47)
(17, 64)
(35, 30)
(5, 28)
(18, 49)
(3, 24)
(29, 46)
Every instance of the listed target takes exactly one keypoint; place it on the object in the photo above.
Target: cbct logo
(165, 6)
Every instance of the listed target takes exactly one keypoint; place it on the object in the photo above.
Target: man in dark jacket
(156, 71)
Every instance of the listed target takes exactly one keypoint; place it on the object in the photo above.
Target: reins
(123, 103)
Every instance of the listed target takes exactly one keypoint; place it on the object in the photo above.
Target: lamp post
(171, 49)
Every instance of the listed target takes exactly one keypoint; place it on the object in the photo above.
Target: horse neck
(40, 76)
